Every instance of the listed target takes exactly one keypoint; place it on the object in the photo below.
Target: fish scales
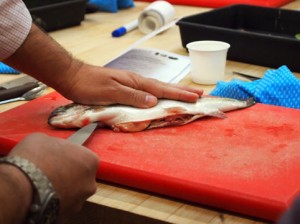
(131, 119)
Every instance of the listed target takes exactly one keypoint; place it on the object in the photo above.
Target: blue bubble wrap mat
(112, 5)
(5, 69)
(277, 87)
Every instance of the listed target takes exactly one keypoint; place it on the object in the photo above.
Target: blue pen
(124, 29)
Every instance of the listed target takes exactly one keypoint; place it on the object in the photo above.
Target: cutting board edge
(203, 195)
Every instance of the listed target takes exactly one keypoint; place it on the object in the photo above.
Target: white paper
(153, 63)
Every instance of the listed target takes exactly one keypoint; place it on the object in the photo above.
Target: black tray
(56, 14)
(257, 35)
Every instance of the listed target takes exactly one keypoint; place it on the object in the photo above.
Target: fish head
(64, 116)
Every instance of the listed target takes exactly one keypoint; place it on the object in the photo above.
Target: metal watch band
(41, 185)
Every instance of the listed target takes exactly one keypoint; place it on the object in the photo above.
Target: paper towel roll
(156, 15)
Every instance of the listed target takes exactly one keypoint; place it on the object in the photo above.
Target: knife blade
(80, 136)
(17, 91)
(18, 82)
(251, 77)
(17, 87)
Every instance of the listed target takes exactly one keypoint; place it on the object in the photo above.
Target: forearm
(15, 194)
(43, 58)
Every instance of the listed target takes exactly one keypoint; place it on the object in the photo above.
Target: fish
(123, 118)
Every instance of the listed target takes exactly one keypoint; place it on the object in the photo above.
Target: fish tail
(250, 102)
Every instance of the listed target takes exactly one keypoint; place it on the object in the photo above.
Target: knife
(17, 91)
(80, 136)
(17, 82)
(251, 77)
(17, 87)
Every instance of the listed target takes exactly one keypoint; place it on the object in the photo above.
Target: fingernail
(150, 100)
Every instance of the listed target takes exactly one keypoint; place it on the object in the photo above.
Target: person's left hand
(99, 85)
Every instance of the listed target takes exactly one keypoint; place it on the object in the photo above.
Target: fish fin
(175, 110)
(217, 113)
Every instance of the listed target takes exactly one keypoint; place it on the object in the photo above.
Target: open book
(153, 63)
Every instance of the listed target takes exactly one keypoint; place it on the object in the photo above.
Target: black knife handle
(16, 91)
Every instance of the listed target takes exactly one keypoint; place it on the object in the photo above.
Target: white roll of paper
(156, 15)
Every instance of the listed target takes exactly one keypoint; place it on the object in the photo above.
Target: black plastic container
(56, 14)
(257, 35)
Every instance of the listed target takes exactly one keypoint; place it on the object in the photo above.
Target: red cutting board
(221, 3)
(248, 162)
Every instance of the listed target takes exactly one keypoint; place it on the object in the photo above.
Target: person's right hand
(71, 168)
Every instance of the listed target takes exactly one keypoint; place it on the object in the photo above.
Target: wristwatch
(45, 203)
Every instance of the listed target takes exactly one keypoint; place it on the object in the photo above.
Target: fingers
(57, 158)
(109, 86)
(145, 99)
(133, 97)
(177, 92)
(142, 92)
(199, 92)
(166, 90)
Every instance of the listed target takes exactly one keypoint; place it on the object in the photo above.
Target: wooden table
(92, 43)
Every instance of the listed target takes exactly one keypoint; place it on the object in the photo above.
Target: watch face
(50, 209)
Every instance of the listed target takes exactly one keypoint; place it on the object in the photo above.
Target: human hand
(44, 59)
(100, 85)
(71, 168)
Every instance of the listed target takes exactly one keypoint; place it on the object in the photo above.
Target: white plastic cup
(208, 61)
(156, 15)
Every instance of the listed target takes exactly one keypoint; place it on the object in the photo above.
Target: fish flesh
(122, 118)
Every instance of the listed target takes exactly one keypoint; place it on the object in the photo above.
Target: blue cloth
(5, 69)
(123, 4)
(277, 87)
(112, 5)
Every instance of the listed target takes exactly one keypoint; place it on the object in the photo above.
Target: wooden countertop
(92, 43)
